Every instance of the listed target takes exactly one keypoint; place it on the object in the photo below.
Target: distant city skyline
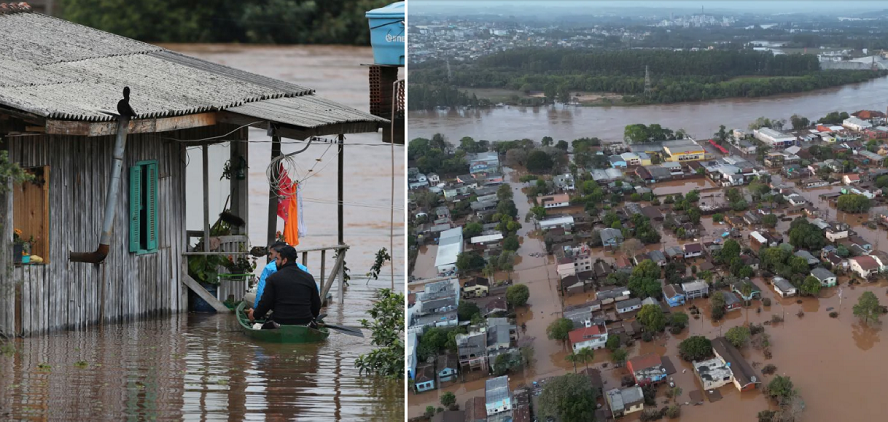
(847, 8)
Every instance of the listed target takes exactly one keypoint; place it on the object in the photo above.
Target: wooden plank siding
(67, 295)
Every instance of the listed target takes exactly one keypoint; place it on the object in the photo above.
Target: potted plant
(240, 267)
(204, 270)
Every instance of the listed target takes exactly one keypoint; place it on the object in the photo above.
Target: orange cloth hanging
(291, 226)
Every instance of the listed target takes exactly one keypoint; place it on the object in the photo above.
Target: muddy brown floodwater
(699, 119)
(195, 367)
(200, 367)
(835, 363)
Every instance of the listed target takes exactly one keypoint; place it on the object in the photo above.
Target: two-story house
(472, 351)
(593, 337)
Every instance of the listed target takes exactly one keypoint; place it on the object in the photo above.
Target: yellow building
(684, 150)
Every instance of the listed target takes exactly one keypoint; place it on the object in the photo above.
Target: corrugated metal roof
(43, 39)
(306, 111)
(61, 70)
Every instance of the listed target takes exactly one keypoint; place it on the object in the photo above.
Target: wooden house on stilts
(107, 206)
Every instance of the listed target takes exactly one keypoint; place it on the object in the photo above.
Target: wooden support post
(272, 192)
(9, 323)
(204, 294)
(340, 187)
(341, 214)
(325, 288)
(342, 278)
(323, 259)
(206, 197)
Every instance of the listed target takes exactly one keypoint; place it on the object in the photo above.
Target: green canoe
(284, 334)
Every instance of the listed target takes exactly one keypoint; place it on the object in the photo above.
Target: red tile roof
(868, 114)
(868, 263)
(583, 334)
(647, 361)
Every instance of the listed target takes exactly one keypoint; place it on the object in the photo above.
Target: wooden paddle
(351, 331)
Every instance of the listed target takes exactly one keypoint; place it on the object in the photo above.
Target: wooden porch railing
(239, 246)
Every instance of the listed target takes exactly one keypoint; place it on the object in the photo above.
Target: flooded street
(833, 362)
(544, 306)
(700, 119)
(195, 367)
(201, 367)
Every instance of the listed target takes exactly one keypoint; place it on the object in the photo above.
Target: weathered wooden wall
(7, 286)
(66, 295)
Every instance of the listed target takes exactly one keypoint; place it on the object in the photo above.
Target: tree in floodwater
(559, 329)
(868, 308)
(570, 398)
(388, 329)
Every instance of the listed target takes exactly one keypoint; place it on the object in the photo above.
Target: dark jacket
(292, 294)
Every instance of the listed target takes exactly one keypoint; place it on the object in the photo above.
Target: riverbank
(608, 123)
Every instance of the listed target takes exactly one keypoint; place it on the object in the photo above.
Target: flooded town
(685, 278)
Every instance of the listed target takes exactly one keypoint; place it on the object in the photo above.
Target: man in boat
(273, 252)
(288, 292)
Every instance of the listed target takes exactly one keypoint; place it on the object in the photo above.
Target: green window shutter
(151, 206)
(135, 207)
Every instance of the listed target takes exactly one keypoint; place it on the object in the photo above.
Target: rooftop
(822, 273)
(650, 360)
(62, 70)
(867, 263)
(583, 334)
(496, 389)
(712, 369)
(743, 372)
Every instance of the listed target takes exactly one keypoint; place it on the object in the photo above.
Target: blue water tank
(387, 34)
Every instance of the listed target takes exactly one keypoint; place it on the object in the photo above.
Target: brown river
(835, 363)
(700, 119)
(200, 367)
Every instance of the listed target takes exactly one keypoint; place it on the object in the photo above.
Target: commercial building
(774, 138)
(450, 245)
(683, 150)
(856, 124)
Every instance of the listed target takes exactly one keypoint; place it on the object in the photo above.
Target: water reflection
(865, 336)
(189, 367)
(607, 123)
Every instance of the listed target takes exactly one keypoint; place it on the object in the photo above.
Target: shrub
(766, 301)
(673, 412)
(776, 318)
(769, 369)
(647, 337)
(695, 348)
(675, 329)
(833, 314)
